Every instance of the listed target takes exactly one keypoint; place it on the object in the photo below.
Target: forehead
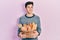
(30, 5)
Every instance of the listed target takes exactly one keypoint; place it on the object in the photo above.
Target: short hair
(28, 3)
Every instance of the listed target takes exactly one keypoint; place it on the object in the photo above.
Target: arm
(19, 29)
(38, 26)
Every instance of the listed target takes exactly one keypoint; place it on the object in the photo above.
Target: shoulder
(37, 16)
(22, 17)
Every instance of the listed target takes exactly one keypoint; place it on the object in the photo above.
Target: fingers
(34, 31)
(22, 35)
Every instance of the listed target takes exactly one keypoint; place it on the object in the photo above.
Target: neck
(29, 14)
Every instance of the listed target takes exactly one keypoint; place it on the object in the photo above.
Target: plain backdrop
(47, 10)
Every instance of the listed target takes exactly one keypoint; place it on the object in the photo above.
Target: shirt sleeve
(19, 29)
(38, 26)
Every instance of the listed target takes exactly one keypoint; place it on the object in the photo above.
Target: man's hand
(35, 34)
(22, 35)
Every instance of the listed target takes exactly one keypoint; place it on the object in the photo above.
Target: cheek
(27, 9)
(31, 9)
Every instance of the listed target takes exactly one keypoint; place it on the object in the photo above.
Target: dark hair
(28, 3)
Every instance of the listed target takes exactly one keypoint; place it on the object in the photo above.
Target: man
(29, 17)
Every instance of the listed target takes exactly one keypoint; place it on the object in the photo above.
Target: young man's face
(29, 8)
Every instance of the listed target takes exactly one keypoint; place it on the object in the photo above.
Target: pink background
(48, 10)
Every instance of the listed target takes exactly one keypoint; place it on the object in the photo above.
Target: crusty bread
(28, 29)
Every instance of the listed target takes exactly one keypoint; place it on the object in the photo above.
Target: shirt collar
(29, 17)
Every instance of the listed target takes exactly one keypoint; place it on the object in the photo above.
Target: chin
(30, 12)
